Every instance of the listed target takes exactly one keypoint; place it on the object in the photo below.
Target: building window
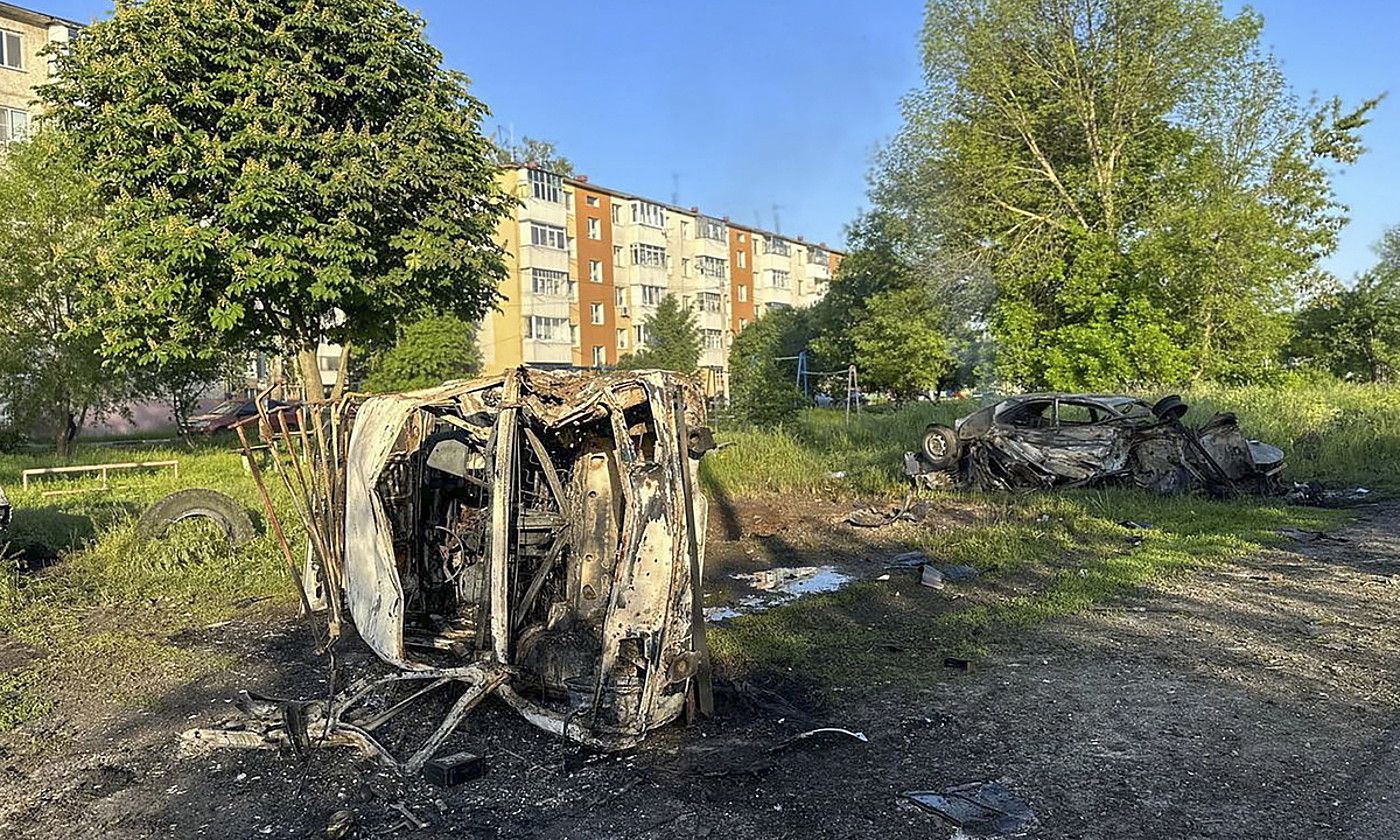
(708, 228)
(540, 328)
(600, 356)
(816, 256)
(644, 254)
(11, 49)
(549, 282)
(713, 267)
(743, 237)
(714, 339)
(707, 302)
(14, 124)
(622, 339)
(620, 297)
(595, 313)
(774, 306)
(546, 186)
(595, 271)
(742, 258)
(328, 364)
(642, 333)
(778, 279)
(743, 322)
(652, 295)
(617, 214)
(781, 247)
(591, 201)
(617, 255)
(548, 236)
(743, 292)
(595, 228)
(646, 213)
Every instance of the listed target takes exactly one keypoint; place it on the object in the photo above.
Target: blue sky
(736, 106)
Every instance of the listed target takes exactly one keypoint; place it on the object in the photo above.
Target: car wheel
(1170, 408)
(940, 447)
(222, 510)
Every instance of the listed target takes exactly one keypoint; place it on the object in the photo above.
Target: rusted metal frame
(321, 522)
(702, 680)
(502, 479)
(551, 475)
(628, 547)
(527, 600)
(375, 721)
(276, 522)
(302, 499)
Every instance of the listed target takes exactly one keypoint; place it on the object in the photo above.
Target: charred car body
(1038, 441)
(536, 535)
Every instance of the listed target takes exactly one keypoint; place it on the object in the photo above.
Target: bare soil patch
(1253, 700)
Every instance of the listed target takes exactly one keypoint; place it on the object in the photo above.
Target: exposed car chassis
(537, 536)
(1042, 441)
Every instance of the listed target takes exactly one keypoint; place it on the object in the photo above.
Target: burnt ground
(1255, 700)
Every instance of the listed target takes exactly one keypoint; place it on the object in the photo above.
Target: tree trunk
(310, 371)
(67, 436)
(342, 373)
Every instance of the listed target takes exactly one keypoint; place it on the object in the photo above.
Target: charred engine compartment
(559, 538)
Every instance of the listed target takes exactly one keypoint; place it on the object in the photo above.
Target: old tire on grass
(940, 447)
(217, 507)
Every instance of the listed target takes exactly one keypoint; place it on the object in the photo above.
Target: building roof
(582, 181)
(33, 18)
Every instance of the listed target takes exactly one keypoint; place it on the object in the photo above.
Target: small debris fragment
(931, 577)
(958, 573)
(453, 770)
(1136, 526)
(908, 559)
(339, 824)
(981, 809)
(957, 664)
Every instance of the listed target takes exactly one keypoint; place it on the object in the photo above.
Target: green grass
(104, 615)
(110, 614)
(1040, 556)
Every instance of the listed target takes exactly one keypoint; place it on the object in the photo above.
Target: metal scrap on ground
(980, 809)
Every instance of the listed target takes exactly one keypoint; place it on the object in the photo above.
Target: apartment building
(23, 36)
(587, 265)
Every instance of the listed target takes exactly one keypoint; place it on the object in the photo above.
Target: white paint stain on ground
(774, 587)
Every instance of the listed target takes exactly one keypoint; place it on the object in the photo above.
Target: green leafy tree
(762, 390)
(1355, 333)
(49, 218)
(430, 351)
(1135, 176)
(276, 173)
(532, 152)
(673, 340)
(899, 344)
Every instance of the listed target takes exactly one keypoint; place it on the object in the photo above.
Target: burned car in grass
(537, 536)
(1041, 441)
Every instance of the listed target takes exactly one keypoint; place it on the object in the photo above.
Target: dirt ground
(1257, 700)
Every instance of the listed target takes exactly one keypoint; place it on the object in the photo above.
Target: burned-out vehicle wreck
(537, 536)
(1052, 440)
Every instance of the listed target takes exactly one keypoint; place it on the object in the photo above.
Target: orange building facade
(587, 265)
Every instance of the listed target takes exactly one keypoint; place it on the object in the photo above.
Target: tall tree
(1355, 333)
(763, 390)
(1136, 176)
(672, 340)
(532, 152)
(49, 218)
(277, 173)
(431, 351)
(899, 344)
